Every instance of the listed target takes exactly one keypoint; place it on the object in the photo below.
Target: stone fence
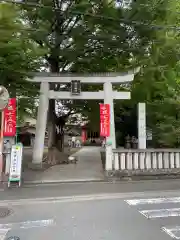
(145, 161)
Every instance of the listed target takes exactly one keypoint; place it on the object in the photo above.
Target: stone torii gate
(107, 79)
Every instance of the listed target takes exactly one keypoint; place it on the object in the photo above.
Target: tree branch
(72, 27)
(71, 112)
(64, 66)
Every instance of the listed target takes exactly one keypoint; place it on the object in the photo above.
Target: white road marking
(79, 198)
(29, 224)
(59, 199)
(153, 201)
(3, 233)
(161, 213)
(5, 228)
(172, 232)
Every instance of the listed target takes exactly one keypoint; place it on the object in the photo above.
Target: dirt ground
(27, 157)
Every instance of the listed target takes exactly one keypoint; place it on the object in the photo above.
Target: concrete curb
(127, 180)
(107, 179)
(63, 181)
(45, 183)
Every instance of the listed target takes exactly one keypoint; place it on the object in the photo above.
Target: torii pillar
(107, 94)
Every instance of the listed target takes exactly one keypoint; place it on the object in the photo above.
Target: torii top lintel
(93, 78)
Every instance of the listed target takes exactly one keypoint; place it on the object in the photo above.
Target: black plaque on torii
(75, 87)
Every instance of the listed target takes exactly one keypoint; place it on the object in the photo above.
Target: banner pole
(1, 145)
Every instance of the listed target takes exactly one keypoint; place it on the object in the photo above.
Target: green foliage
(157, 84)
(95, 36)
(19, 56)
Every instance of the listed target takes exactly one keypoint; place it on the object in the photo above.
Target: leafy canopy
(19, 56)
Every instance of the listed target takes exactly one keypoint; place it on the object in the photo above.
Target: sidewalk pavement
(87, 168)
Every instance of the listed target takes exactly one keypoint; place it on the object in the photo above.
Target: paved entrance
(89, 165)
(88, 168)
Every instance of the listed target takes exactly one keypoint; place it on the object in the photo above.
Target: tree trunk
(60, 135)
(51, 133)
(59, 143)
(55, 137)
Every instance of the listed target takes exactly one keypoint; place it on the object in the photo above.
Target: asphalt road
(95, 219)
(95, 216)
(70, 189)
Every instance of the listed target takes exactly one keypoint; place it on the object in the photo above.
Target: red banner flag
(83, 136)
(104, 120)
(10, 118)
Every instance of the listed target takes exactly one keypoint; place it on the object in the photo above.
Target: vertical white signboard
(16, 164)
(142, 126)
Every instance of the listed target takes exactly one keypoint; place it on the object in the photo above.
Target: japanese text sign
(105, 120)
(10, 118)
(16, 162)
(75, 87)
